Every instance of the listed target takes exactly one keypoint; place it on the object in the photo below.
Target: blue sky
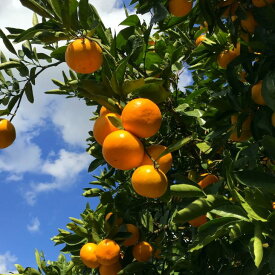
(44, 172)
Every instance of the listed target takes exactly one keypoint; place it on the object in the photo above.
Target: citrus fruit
(179, 7)
(110, 269)
(104, 111)
(103, 127)
(207, 180)
(230, 10)
(149, 182)
(256, 93)
(249, 23)
(227, 56)
(84, 56)
(135, 235)
(88, 255)
(142, 252)
(122, 150)
(118, 220)
(262, 3)
(200, 39)
(107, 252)
(154, 151)
(198, 221)
(141, 117)
(245, 131)
(7, 133)
(273, 119)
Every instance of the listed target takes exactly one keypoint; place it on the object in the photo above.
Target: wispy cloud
(6, 262)
(34, 225)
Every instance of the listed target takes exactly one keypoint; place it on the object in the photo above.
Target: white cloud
(14, 177)
(6, 262)
(64, 171)
(34, 225)
(185, 79)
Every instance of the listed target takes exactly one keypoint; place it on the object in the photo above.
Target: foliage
(239, 235)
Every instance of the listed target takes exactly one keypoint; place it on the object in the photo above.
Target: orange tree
(212, 212)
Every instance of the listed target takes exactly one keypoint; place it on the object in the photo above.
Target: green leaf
(93, 192)
(211, 231)
(29, 92)
(84, 13)
(257, 245)
(199, 207)
(204, 147)
(268, 90)
(257, 179)
(174, 147)
(34, 19)
(34, 6)
(268, 143)
(59, 53)
(239, 229)
(186, 190)
(74, 239)
(12, 102)
(94, 164)
(147, 221)
(234, 211)
(129, 86)
(56, 6)
(132, 20)
(7, 42)
(153, 91)
(9, 65)
(135, 268)
(116, 122)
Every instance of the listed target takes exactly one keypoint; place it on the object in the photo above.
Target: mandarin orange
(7, 133)
(107, 252)
(88, 255)
(142, 251)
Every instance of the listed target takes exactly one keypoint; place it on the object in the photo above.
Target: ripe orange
(135, 235)
(108, 252)
(7, 133)
(227, 56)
(88, 255)
(103, 127)
(245, 129)
(273, 119)
(273, 205)
(200, 39)
(262, 3)
(118, 220)
(122, 150)
(104, 111)
(256, 93)
(249, 23)
(149, 182)
(84, 56)
(141, 117)
(110, 269)
(179, 7)
(198, 221)
(207, 180)
(142, 252)
(231, 8)
(154, 151)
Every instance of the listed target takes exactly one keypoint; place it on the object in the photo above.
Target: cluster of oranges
(123, 149)
(107, 254)
(7, 133)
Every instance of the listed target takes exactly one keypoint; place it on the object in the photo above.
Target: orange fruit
(141, 117)
(135, 235)
(84, 56)
(103, 127)
(249, 23)
(110, 269)
(104, 111)
(142, 252)
(108, 252)
(118, 220)
(7, 133)
(88, 255)
(198, 221)
(273, 205)
(200, 39)
(207, 180)
(230, 10)
(149, 182)
(227, 56)
(273, 119)
(154, 151)
(256, 93)
(179, 7)
(122, 150)
(245, 129)
(262, 3)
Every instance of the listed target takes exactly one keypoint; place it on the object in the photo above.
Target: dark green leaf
(132, 20)
(186, 190)
(268, 90)
(29, 92)
(7, 42)
(34, 6)
(116, 122)
(59, 53)
(269, 146)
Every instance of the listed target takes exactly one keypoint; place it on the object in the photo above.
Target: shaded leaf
(186, 190)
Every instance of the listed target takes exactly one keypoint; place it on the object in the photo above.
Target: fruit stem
(155, 163)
